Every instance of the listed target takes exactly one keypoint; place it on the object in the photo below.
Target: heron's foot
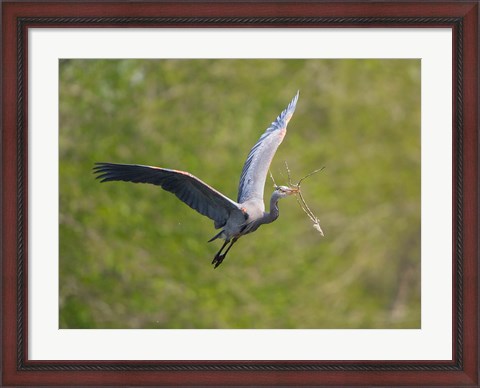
(217, 260)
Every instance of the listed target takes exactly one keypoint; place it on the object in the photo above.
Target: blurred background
(134, 256)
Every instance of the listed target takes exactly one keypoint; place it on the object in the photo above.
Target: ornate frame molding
(463, 100)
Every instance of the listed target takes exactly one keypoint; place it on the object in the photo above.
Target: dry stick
(306, 209)
(313, 172)
(301, 201)
(273, 180)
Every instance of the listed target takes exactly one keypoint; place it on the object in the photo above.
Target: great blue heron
(235, 218)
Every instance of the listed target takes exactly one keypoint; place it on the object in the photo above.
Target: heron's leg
(219, 253)
(220, 257)
(230, 247)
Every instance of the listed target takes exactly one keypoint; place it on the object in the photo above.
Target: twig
(273, 180)
(301, 201)
(313, 172)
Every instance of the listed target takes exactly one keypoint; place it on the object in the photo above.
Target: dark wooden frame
(462, 17)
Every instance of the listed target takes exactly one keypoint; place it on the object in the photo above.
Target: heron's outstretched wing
(188, 188)
(255, 169)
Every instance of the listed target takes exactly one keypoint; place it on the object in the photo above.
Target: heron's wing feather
(188, 188)
(255, 169)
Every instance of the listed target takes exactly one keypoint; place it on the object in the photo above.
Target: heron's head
(285, 191)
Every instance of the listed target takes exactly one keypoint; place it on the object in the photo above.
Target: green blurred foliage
(134, 256)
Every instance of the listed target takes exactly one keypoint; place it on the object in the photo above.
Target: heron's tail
(216, 236)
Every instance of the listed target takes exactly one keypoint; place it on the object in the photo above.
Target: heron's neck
(273, 214)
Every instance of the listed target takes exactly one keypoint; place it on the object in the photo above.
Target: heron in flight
(235, 219)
